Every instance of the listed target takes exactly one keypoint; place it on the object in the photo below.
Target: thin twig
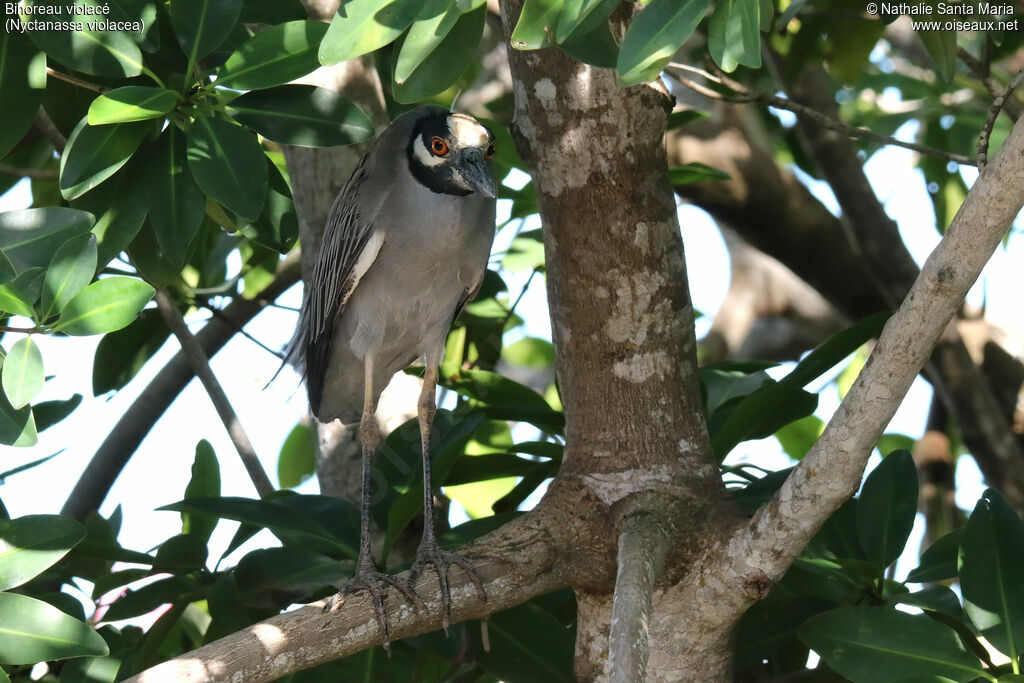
(990, 120)
(22, 330)
(45, 125)
(201, 366)
(74, 81)
(747, 95)
(28, 172)
(237, 328)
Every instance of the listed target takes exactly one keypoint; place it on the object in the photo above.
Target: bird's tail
(293, 353)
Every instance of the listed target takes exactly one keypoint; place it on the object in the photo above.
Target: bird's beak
(477, 177)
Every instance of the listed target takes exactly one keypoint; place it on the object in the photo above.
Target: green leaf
(275, 56)
(598, 47)
(28, 545)
(32, 631)
(362, 26)
(277, 227)
(104, 306)
(7, 271)
(276, 577)
(30, 237)
(94, 153)
(49, 413)
(941, 45)
(131, 103)
(96, 52)
(302, 115)
(887, 507)
(120, 355)
(851, 48)
(202, 25)
(991, 566)
(432, 24)
(734, 34)
(537, 25)
(205, 483)
(695, 172)
(655, 35)
(70, 271)
(23, 372)
(176, 204)
(877, 644)
(796, 438)
(17, 427)
(271, 11)
(581, 16)
(297, 461)
(527, 644)
(21, 88)
(940, 561)
(20, 294)
(139, 601)
(446, 62)
(120, 208)
(228, 164)
(90, 670)
(530, 352)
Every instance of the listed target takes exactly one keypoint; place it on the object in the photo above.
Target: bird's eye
(439, 147)
(490, 152)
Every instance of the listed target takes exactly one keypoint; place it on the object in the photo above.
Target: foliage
(173, 165)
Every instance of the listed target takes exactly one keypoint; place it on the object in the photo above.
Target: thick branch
(523, 559)
(134, 425)
(201, 367)
(830, 473)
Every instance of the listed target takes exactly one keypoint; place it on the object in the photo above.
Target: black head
(448, 153)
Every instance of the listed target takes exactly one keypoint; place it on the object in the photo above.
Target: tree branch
(201, 367)
(829, 474)
(523, 559)
(134, 425)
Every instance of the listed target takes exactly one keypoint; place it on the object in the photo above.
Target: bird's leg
(367, 577)
(429, 551)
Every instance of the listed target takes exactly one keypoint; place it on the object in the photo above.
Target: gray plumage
(397, 263)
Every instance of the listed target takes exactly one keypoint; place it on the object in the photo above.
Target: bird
(405, 247)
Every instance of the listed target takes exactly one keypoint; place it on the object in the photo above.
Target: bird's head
(448, 153)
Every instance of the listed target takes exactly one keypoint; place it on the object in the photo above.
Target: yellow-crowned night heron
(406, 246)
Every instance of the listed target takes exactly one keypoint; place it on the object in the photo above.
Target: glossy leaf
(49, 413)
(70, 271)
(297, 461)
(655, 35)
(432, 24)
(302, 115)
(734, 34)
(877, 644)
(228, 164)
(131, 103)
(362, 26)
(120, 355)
(120, 206)
(277, 227)
(7, 271)
(205, 483)
(597, 48)
(143, 600)
(34, 631)
(176, 204)
(527, 644)
(695, 172)
(581, 16)
(22, 74)
(30, 237)
(104, 306)
(275, 56)
(112, 54)
(17, 427)
(202, 25)
(272, 11)
(20, 294)
(23, 372)
(992, 572)
(30, 544)
(446, 62)
(940, 561)
(277, 577)
(887, 507)
(941, 45)
(94, 153)
(537, 25)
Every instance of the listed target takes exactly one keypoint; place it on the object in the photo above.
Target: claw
(430, 553)
(375, 583)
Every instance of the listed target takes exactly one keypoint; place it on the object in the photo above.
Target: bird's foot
(376, 584)
(431, 553)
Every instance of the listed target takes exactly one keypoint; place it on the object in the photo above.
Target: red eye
(490, 152)
(439, 147)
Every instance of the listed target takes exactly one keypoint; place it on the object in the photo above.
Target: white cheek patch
(467, 132)
(424, 155)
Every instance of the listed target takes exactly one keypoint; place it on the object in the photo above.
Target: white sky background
(159, 471)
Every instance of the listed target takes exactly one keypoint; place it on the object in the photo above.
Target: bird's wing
(349, 246)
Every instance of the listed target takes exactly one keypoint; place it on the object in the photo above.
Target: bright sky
(158, 473)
